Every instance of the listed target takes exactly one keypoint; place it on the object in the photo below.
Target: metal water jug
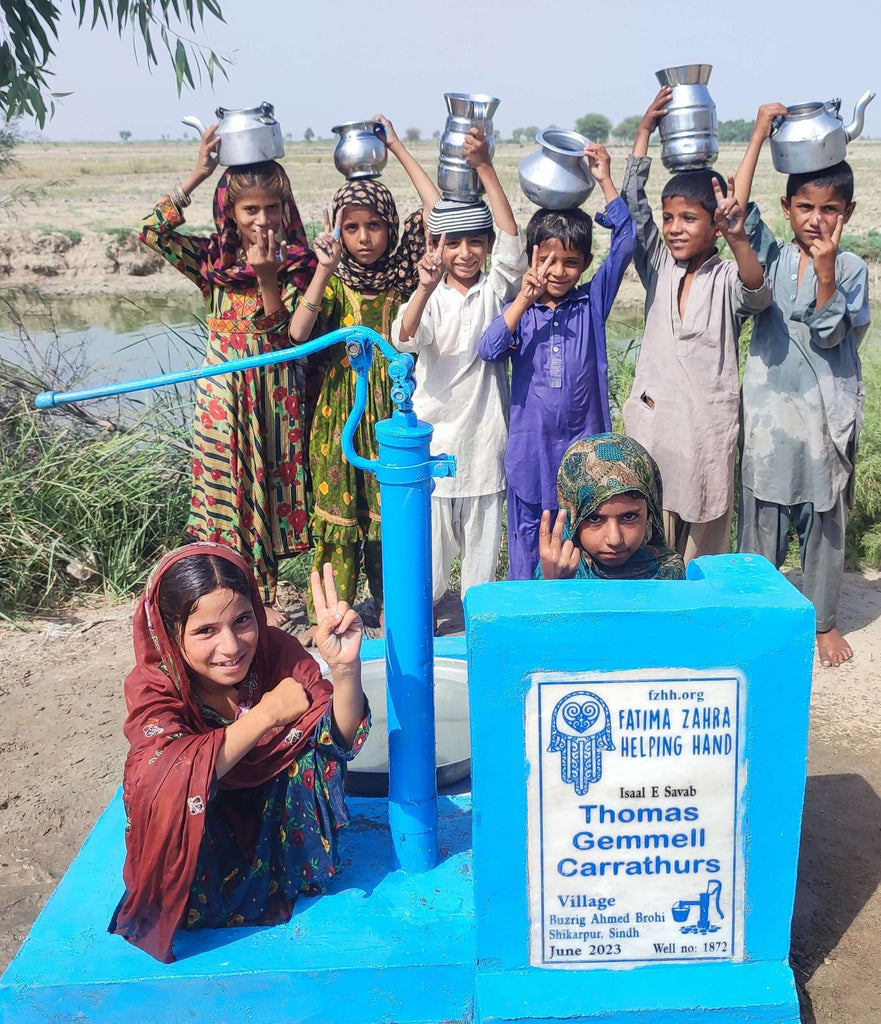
(813, 136)
(556, 175)
(688, 129)
(248, 135)
(361, 151)
(456, 178)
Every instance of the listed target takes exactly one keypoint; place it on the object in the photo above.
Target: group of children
(426, 288)
(219, 695)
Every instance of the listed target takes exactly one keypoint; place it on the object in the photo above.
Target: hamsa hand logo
(581, 729)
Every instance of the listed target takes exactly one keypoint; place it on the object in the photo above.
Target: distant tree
(735, 131)
(308, 135)
(626, 129)
(29, 30)
(125, 135)
(436, 134)
(411, 135)
(526, 134)
(597, 127)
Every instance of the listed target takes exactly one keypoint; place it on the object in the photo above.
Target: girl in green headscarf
(609, 524)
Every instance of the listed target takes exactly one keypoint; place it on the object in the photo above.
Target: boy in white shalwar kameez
(464, 397)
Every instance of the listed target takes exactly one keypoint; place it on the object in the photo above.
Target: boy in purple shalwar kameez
(555, 335)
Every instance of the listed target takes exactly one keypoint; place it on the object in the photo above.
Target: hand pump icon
(681, 910)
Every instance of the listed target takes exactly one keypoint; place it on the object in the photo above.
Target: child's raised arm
(430, 270)
(743, 179)
(328, 251)
(532, 287)
(338, 640)
(600, 163)
(206, 162)
(729, 219)
(426, 188)
(657, 109)
(476, 151)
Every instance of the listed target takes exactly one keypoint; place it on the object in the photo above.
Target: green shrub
(863, 546)
(83, 508)
(867, 246)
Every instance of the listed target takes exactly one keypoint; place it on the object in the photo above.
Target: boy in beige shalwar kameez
(685, 402)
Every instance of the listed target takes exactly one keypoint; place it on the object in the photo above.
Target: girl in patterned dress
(249, 476)
(363, 275)
(233, 784)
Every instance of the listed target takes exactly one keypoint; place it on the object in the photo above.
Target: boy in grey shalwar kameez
(803, 392)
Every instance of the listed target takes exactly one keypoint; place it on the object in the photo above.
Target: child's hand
(339, 630)
(431, 267)
(598, 161)
(476, 148)
(559, 558)
(765, 118)
(657, 109)
(285, 703)
(327, 245)
(206, 161)
(264, 255)
(729, 216)
(534, 283)
(391, 136)
(824, 250)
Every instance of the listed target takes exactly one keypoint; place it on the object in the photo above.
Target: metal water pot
(688, 129)
(456, 178)
(556, 175)
(361, 151)
(813, 136)
(246, 136)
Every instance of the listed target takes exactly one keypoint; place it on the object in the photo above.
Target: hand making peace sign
(327, 245)
(534, 283)
(825, 248)
(729, 216)
(431, 267)
(340, 630)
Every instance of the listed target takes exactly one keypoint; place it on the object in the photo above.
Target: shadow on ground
(841, 826)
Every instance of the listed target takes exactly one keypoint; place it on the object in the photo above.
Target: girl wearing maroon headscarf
(249, 473)
(233, 785)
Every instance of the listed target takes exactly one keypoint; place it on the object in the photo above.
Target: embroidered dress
(207, 853)
(346, 513)
(249, 476)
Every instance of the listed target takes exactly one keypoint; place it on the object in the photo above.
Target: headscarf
(395, 269)
(169, 775)
(224, 256)
(597, 468)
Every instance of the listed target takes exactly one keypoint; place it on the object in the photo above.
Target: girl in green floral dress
(363, 276)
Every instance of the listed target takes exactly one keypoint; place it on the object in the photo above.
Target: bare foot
(382, 622)
(275, 616)
(833, 649)
(307, 639)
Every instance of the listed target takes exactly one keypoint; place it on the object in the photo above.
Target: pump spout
(859, 115)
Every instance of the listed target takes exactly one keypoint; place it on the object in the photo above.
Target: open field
(61, 704)
(95, 192)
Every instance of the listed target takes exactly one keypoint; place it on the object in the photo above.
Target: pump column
(404, 473)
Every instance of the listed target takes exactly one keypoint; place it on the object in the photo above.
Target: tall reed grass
(85, 509)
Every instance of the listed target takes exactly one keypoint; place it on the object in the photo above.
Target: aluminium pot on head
(368, 774)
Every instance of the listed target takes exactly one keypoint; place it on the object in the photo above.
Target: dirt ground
(61, 755)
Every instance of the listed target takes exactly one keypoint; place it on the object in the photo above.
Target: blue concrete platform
(338, 959)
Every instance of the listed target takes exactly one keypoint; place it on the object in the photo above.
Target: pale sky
(326, 61)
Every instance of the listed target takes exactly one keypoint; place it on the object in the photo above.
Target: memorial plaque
(634, 832)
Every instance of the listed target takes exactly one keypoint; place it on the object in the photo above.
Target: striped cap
(453, 218)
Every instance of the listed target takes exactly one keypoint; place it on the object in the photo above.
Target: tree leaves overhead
(29, 36)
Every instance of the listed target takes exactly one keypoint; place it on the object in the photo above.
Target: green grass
(77, 501)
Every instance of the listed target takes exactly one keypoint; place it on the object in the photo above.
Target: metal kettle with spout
(249, 135)
(813, 136)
